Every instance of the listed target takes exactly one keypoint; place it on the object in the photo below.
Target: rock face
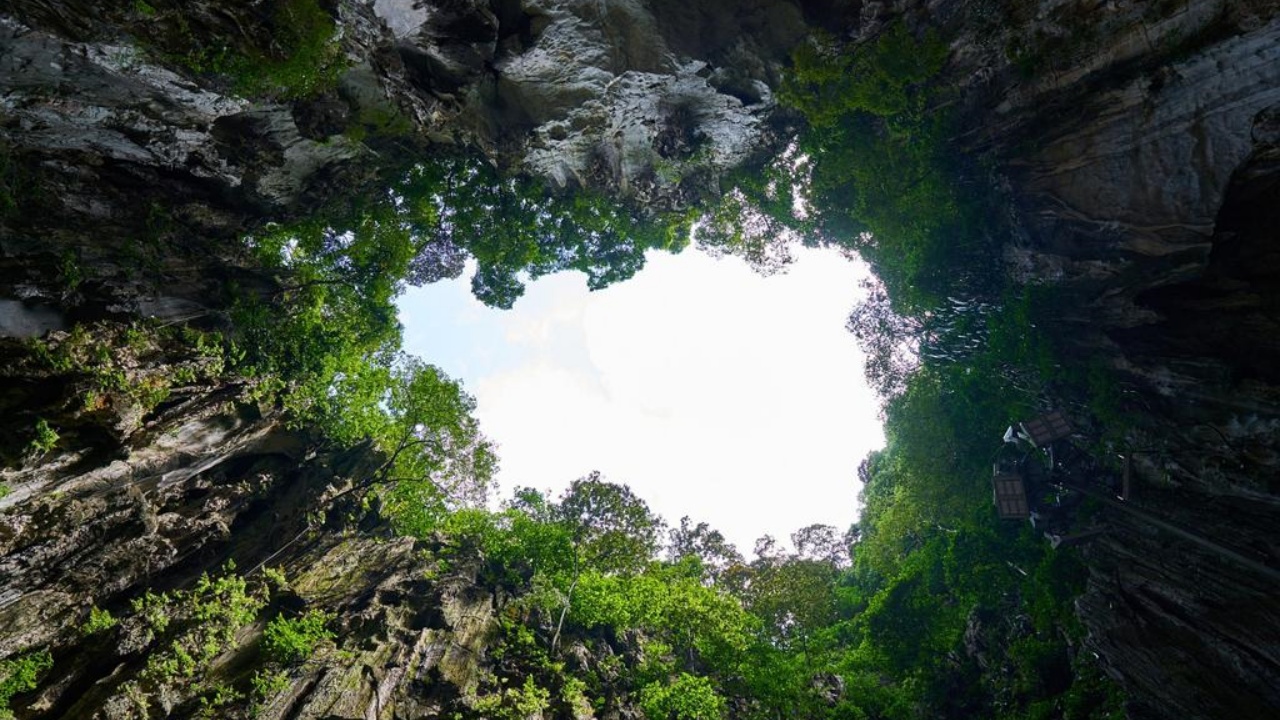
(632, 96)
(1139, 142)
(142, 148)
(128, 172)
(651, 100)
(218, 487)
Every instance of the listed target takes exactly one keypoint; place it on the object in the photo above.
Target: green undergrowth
(46, 438)
(293, 51)
(292, 640)
(99, 621)
(20, 674)
(958, 354)
(187, 634)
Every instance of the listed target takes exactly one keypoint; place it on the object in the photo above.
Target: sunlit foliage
(879, 621)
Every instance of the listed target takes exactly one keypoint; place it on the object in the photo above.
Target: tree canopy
(875, 621)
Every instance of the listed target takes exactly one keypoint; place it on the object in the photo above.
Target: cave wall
(652, 101)
(1136, 142)
(136, 502)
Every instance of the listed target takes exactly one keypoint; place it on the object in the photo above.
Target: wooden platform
(1010, 496)
(1047, 428)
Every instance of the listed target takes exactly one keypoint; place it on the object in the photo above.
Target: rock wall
(208, 485)
(1137, 144)
(145, 158)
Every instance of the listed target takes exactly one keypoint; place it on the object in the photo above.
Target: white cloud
(712, 391)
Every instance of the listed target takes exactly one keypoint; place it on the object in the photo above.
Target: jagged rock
(651, 100)
(1136, 142)
(611, 95)
(1140, 164)
(224, 486)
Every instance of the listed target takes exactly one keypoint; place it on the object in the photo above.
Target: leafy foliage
(454, 207)
(762, 214)
(20, 674)
(881, 178)
(707, 546)
(187, 630)
(290, 51)
(293, 640)
(267, 684)
(687, 697)
(613, 531)
(870, 172)
(514, 227)
(99, 621)
(45, 437)
(304, 59)
(526, 701)
(437, 457)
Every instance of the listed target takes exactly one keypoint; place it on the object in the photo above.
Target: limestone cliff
(217, 487)
(138, 146)
(1137, 143)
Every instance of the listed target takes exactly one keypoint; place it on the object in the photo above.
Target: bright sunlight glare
(714, 392)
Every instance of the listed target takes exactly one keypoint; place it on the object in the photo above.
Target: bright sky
(713, 392)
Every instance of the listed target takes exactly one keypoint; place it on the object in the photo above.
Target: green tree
(762, 214)
(20, 674)
(291, 641)
(437, 458)
(515, 228)
(705, 544)
(821, 543)
(687, 697)
(612, 532)
(794, 597)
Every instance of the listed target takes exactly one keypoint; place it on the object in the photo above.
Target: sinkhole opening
(713, 391)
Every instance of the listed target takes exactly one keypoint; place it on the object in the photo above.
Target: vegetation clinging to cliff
(957, 355)
(702, 633)
(293, 50)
